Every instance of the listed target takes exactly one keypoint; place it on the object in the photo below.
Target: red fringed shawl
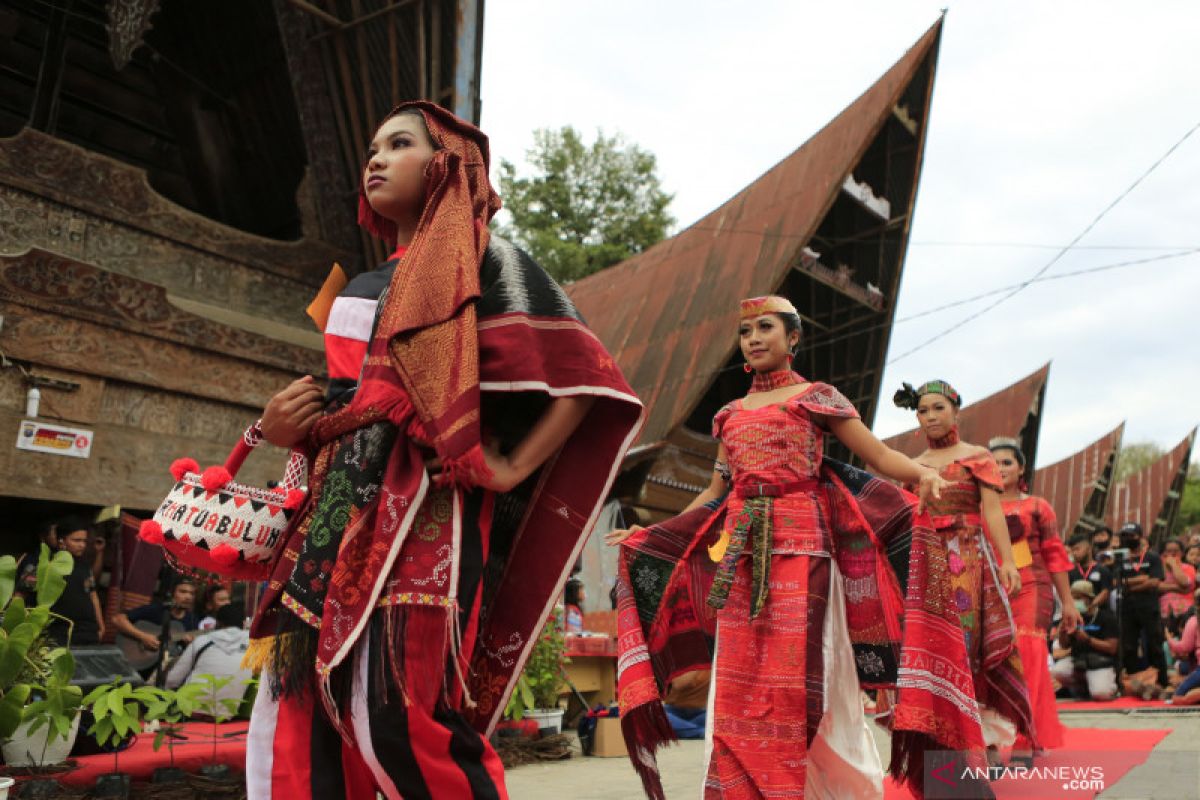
(665, 625)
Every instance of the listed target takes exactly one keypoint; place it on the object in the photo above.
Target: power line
(1033, 246)
(1058, 256)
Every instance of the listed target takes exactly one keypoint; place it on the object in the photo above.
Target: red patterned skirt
(769, 682)
(1028, 610)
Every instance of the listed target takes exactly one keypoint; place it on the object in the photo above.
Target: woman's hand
(1010, 580)
(615, 537)
(1071, 618)
(290, 415)
(930, 487)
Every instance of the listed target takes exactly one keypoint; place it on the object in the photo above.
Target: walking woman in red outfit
(804, 599)
(982, 575)
(1041, 557)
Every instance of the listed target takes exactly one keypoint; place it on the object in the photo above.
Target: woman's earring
(789, 359)
(747, 368)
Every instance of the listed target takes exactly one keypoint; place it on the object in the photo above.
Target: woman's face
(1172, 550)
(1010, 468)
(1192, 556)
(936, 415)
(765, 342)
(394, 175)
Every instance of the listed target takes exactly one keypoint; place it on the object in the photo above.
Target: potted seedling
(536, 695)
(169, 709)
(39, 709)
(219, 709)
(118, 709)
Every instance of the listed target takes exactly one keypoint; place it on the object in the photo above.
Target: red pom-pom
(150, 531)
(294, 498)
(182, 466)
(224, 555)
(214, 478)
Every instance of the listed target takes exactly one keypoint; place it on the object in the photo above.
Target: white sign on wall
(59, 440)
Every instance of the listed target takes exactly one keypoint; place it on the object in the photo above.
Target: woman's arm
(892, 464)
(717, 488)
(997, 529)
(548, 434)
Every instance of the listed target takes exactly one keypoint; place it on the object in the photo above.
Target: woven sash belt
(753, 526)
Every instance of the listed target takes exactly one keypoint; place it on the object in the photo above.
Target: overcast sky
(1043, 113)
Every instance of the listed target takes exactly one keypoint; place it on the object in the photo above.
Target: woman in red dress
(982, 574)
(1041, 557)
(784, 704)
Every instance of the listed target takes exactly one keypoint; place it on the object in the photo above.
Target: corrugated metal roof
(1140, 497)
(1001, 414)
(1069, 484)
(669, 314)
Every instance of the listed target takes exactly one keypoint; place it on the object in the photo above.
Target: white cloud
(1042, 113)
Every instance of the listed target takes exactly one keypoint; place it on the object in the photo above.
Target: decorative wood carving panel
(59, 285)
(101, 186)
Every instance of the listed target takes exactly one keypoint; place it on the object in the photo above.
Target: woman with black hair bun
(980, 569)
(1041, 557)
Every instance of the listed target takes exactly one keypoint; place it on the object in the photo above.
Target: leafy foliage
(1134, 457)
(538, 685)
(34, 677)
(584, 207)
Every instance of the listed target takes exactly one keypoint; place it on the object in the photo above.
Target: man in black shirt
(1093, 648)
(79, 602)
(1087, 568)
(1102, 542)
(1140, 572)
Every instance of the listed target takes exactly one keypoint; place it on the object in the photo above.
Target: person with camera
(1092, 662)
(1087, 568)
(1139, 572)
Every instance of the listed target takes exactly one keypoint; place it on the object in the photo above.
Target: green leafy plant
(539, 683)
(118, 711)
(210, 703)
(169, 708)
(35, 679)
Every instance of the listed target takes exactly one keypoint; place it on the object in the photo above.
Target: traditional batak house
(827, 226)
(1015, 411)
(1150, 496)
(1078, 486)
(176, 180)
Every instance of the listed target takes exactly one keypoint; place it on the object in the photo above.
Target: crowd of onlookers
(197, 628)
(1139, 607)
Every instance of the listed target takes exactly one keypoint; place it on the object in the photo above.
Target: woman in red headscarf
(790, 574)
(1039, 553)
(982, 575)
(438, 527)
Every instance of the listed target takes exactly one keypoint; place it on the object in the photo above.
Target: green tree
(1189, 504)
(1135, 456)
(584, 207)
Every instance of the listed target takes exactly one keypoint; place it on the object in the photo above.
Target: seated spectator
(1179, 581)
(214, 598)
(686, 703)
(183, 597)
(1186, 648)
(1087, 568)
(79, 602)
(219, 653)
(1092, 662)
(573, 600)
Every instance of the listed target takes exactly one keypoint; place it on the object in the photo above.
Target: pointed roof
(669, 314)
(1077, 484)
(1013, 411)
(1144, 496)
